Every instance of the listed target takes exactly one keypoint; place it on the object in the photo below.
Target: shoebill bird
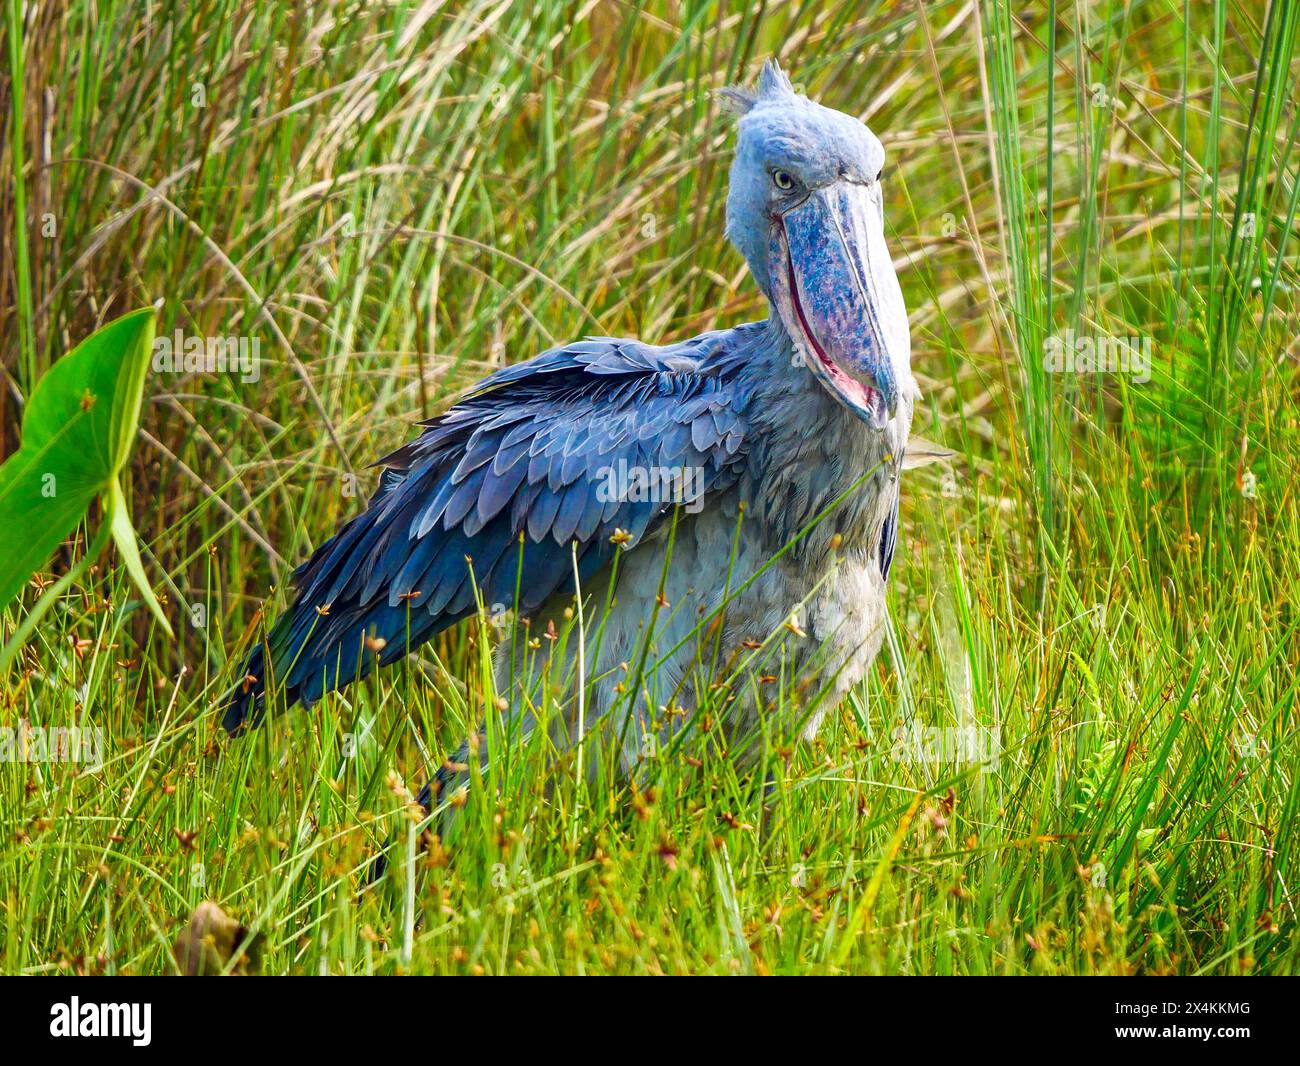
(783, 441)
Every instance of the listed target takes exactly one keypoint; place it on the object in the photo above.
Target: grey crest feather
(773, 87)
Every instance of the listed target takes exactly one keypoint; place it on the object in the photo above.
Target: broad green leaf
(33, 525)
(78, 429)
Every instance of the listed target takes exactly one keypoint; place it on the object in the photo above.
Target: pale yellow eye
(782, 180)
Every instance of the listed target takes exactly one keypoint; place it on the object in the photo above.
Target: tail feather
(307, 660)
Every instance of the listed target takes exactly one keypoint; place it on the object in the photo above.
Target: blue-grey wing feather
(889, 537)
(509, 476)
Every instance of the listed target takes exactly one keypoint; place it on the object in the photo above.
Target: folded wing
(498, 494)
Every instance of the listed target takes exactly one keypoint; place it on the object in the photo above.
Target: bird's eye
(881, 176)
(782, 180)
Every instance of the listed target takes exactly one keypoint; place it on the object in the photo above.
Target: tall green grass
(394, 199)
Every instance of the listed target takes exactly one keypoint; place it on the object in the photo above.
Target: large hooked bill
(837, 293)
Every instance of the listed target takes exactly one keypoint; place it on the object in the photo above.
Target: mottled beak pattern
(835, 288)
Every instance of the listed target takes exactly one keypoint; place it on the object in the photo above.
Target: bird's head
(806, 211)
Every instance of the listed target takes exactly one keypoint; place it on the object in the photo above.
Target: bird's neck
(812, 450)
